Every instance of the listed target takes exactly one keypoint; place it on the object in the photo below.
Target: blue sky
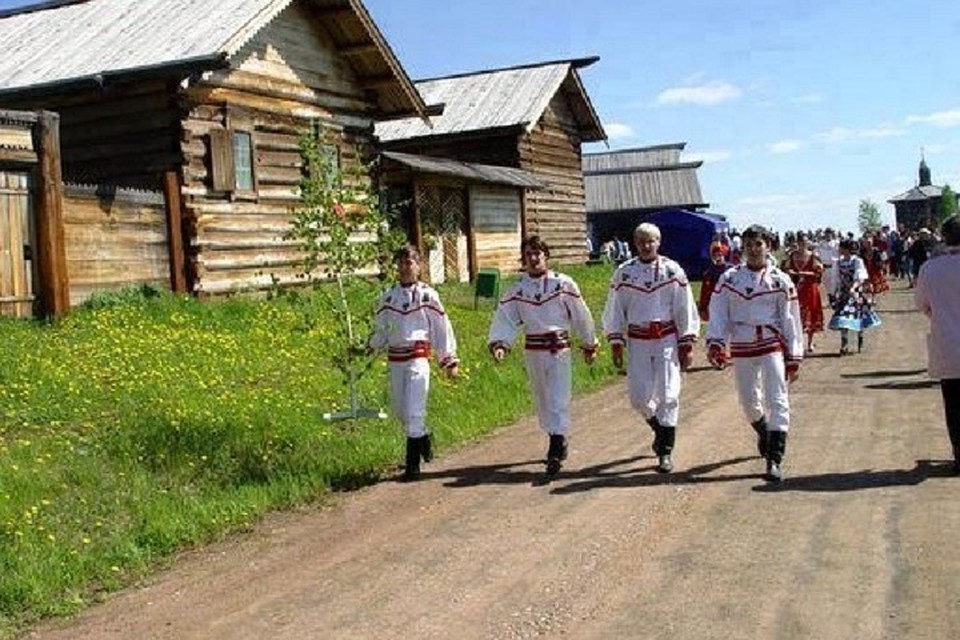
(799, 108)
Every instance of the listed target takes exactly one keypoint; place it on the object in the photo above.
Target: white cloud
(843, 134)
(618, 130)
(784, 146)
(938, 119)
(717, 155)
(709, 94)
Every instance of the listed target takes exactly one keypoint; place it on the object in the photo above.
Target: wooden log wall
(497, 150)
(558, 212)
(123, 134)
(114, 239)
(288, 77)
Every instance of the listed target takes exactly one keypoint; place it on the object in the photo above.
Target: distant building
(920, 206)
(625, 186)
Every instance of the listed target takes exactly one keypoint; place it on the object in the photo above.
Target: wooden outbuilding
(532, 117)
(181, 124)
(624, 186)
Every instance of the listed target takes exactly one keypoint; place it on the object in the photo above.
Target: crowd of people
(762, 314)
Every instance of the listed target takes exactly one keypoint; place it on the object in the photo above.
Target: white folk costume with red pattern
(651, 309)
(546, 309)
(756, 314)
(409, 325)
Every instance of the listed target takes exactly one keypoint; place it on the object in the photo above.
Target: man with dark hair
(650, 311)
(937, 294)
(546, 306)
(755, 313)
(410, 324)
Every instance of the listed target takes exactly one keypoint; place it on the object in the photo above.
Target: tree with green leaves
(346, 241)
(868, 218)
(948, 204)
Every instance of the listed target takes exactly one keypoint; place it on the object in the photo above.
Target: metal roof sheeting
(470, 171)
(497, 99)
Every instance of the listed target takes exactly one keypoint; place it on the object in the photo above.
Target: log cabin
(532, 117)
(179, 126)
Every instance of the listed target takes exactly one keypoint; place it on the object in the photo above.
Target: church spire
(924, 171)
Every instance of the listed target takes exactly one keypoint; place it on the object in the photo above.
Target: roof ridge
(576, 63)
(654, 147)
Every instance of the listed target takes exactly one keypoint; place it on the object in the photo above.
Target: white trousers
(409, 384)
(653, 378)
(550, 380)
(762, 388)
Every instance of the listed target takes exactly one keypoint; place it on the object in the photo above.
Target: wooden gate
(443, 215)
(17, 241)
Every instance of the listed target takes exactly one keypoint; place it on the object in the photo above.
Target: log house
(203, 108)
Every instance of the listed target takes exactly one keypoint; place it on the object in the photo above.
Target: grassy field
(136, 429)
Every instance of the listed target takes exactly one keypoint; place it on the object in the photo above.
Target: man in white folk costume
(411, 324)
(754, 312)
(650, 310)
(546, 307)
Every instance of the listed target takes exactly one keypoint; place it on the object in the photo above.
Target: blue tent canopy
(686, 237)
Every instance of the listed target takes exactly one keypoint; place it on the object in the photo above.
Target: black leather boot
(412, 464)
(776, 448)
(426, 447)
(666, 438)
(760, 426)
(556, 453)
(656, 426)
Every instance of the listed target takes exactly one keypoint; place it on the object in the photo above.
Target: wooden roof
(56, 44)
(468, 171)
(498, 99)
(644, 178)
(918, 194)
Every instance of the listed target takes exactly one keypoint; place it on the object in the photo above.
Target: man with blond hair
(650, 314)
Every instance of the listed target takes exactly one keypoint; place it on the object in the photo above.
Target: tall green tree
(868, 218)
(948, 203)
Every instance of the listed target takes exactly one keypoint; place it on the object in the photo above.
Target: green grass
(144, 424)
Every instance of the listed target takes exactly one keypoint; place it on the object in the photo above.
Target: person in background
(546, 307)
(709, 278)
(851, 298)
(755, 314)
(650, 310)
(937, 294)
(805, 269)
(411, 324)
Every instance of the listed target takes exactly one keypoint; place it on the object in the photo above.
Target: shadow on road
(865, 479)
(904, 385)
(888, 373)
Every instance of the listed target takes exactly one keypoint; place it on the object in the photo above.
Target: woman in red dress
(873, 257)
(806, 270)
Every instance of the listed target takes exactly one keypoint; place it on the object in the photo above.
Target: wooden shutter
(221, 160)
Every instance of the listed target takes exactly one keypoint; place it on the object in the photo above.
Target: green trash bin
(488, 285)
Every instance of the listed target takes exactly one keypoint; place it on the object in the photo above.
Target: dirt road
(857, 542)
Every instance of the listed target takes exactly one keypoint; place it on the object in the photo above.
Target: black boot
(860, 342)
(760, 426)
(666, 437)
(776, 448)
(556, 453)
(656, 426)
(412, 464)
(426, 447)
